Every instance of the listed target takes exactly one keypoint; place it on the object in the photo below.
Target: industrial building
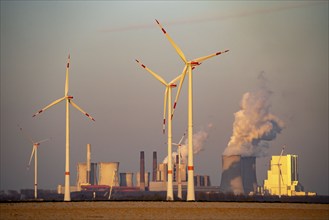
(287, 183)
(160, 177)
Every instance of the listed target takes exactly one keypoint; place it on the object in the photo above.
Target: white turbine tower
(35, 145)
(179, 177)
(189, 65)
(167, 100)
(280, 177)
(68, 100)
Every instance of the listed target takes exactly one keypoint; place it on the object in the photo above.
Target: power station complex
(238, 177)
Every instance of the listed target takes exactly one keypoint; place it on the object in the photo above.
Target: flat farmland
(162, 210)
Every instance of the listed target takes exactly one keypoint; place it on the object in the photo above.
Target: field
(162, 210)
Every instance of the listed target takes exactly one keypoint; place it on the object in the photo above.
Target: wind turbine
(189, 65)
(34, 153)
(179, 178)
(280, 177)
(167, 100)
(68, 99)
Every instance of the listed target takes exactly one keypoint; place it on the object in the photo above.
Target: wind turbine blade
(164, 110)
(153, 73)
(85, 113)
(33, 150)
(281, 154)
(179, 89)
(48, 106)
(179, 51)
(25, 135)
(180, 141)
(175, 80)
(67, 76)
(44, 140)
(200, 59)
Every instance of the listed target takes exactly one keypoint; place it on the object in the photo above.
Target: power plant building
(288, 184)
(146, 179)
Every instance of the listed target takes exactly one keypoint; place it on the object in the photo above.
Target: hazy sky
(287, 42)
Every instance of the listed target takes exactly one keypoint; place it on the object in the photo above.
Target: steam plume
(254, 125)
(199, 139)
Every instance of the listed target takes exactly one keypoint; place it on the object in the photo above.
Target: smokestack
(88, 163)
(248, 170)
(142, 171)
(154, 174)
(231, 181)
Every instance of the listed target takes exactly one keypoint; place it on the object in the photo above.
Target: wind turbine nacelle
(194, 63)
(70, 97)
(173, 85)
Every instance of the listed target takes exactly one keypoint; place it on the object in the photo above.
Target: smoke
(199, 139)
(254, 125)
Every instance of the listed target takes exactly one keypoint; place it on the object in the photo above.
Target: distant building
(288, 183)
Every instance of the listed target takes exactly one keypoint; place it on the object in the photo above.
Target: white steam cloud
(199, 139)
(254, 125)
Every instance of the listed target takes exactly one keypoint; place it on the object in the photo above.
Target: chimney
(142, 171)
(231, 181)
(88, 163)
(154, 174)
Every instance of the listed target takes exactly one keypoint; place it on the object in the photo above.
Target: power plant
(283, 177)
(238, 177)
(100, 176)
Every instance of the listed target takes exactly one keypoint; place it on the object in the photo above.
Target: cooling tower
(146, 178)
(231, 180)
(154, 174)
(248, 170)
(108, 173)
(81, 174)
(142, 171)
(126, 179)
(93, 174)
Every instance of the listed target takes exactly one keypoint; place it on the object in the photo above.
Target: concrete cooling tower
(108, 173)
(146, 179)
(248, 170)
(231, 180)
(82, 174)
(126, 179)
(238, 175)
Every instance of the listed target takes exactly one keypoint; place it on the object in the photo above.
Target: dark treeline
(27, 195)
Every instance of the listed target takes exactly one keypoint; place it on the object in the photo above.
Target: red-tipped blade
(178, 50)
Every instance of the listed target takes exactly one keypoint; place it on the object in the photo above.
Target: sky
(284, 42)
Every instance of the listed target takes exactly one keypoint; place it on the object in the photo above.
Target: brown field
(162, 210)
